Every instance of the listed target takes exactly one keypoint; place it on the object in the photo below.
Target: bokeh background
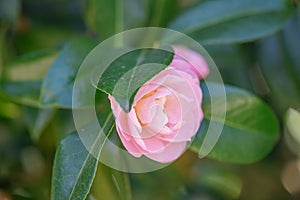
(33, 31)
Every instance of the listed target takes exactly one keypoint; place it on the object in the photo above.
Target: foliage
(254, 43)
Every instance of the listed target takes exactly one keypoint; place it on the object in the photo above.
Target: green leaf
(250, 131)
(58, 84)
(73, 171)
(74, 167)
(23, 92)
(108, 17)
(129, 72)
(228, 21)
(31, 66)
(22, 79)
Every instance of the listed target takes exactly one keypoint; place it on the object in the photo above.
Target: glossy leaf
(250, 131)
(227, 21)
(58, 84)
(73, 171)
(128, 73)
(74, 167)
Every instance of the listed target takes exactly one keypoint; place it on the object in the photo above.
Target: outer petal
(171, 152)
(198, 63)
(129, 145)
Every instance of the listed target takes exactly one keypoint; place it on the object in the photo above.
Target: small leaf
(129, 72)
(228, 21)
(250, 131)
(58, 84)
(74, 167)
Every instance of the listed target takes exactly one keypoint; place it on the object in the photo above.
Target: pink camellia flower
(166, 111)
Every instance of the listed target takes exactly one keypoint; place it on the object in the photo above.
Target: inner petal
(173, 109)
(144, 106)
(157, 124)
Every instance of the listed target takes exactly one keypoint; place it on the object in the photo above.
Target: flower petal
(171, 152)
(198, 63)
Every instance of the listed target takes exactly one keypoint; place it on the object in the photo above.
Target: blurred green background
(262, 56)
